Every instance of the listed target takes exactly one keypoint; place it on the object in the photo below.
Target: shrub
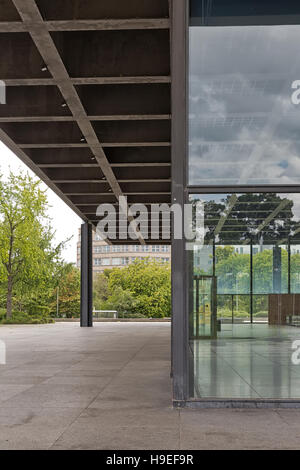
(22, 318)
(142, 288)
(39, 310)
(122, 301)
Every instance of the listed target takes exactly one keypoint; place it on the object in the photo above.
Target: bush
(2, 313)
(122, 301)
(39, 310)
(135, 315)
(142, 288)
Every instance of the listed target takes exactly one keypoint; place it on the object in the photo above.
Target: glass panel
(233, 308)
(203, 321)
(260, 307)
(270, 269)
(251, 250)
(241, 309)
(244, 100)
(233, 268)
(203, 260)
(295, 268)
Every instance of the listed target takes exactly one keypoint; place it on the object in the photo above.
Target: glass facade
(244, 171)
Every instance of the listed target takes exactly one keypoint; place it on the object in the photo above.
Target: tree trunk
(9, 297)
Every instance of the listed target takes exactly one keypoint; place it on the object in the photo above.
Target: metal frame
(180, 327)
(86, 267)
(242, 189)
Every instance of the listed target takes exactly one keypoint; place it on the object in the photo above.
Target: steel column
(86, 299)
(180, 321)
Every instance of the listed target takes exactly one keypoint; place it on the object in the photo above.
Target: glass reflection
(244, 300)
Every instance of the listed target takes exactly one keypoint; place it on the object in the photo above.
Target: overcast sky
(64, 221)
(244, 126)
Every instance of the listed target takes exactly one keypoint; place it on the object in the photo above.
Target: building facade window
(105, 261)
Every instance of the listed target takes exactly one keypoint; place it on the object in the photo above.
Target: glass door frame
(213, 308)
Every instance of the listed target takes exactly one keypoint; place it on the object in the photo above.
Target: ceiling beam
(108, 24)
(37, 119)
(282, 205)
(150, 180)
(92, 165)
(131, 117)
(137, 144)
(99, 146)
(147, 204)
(150, 193)
(231, 203)
(285, 240)
(12, 27)
(40, 35)
(121, 80)
(270, 217)
(24, 158)
(53, 146)
(90, 81)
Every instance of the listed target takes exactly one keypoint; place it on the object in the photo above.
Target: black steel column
(180, 317)
(86, 300)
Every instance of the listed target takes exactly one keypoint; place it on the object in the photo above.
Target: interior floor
(247, 361)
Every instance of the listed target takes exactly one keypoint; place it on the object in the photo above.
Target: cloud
(244, 128)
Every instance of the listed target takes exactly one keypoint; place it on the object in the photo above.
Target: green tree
(123, 301)
(27, 255)
(68, 290)
(100, 289)
(148, 282)
(223, 253)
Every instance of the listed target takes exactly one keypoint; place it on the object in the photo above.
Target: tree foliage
(66, 296)
(140, 289)
(30, 263)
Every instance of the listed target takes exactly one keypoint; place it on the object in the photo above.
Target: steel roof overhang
(88, 105)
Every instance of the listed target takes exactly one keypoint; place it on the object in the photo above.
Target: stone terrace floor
(109, 388)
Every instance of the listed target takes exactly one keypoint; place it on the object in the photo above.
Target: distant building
(117, 256)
